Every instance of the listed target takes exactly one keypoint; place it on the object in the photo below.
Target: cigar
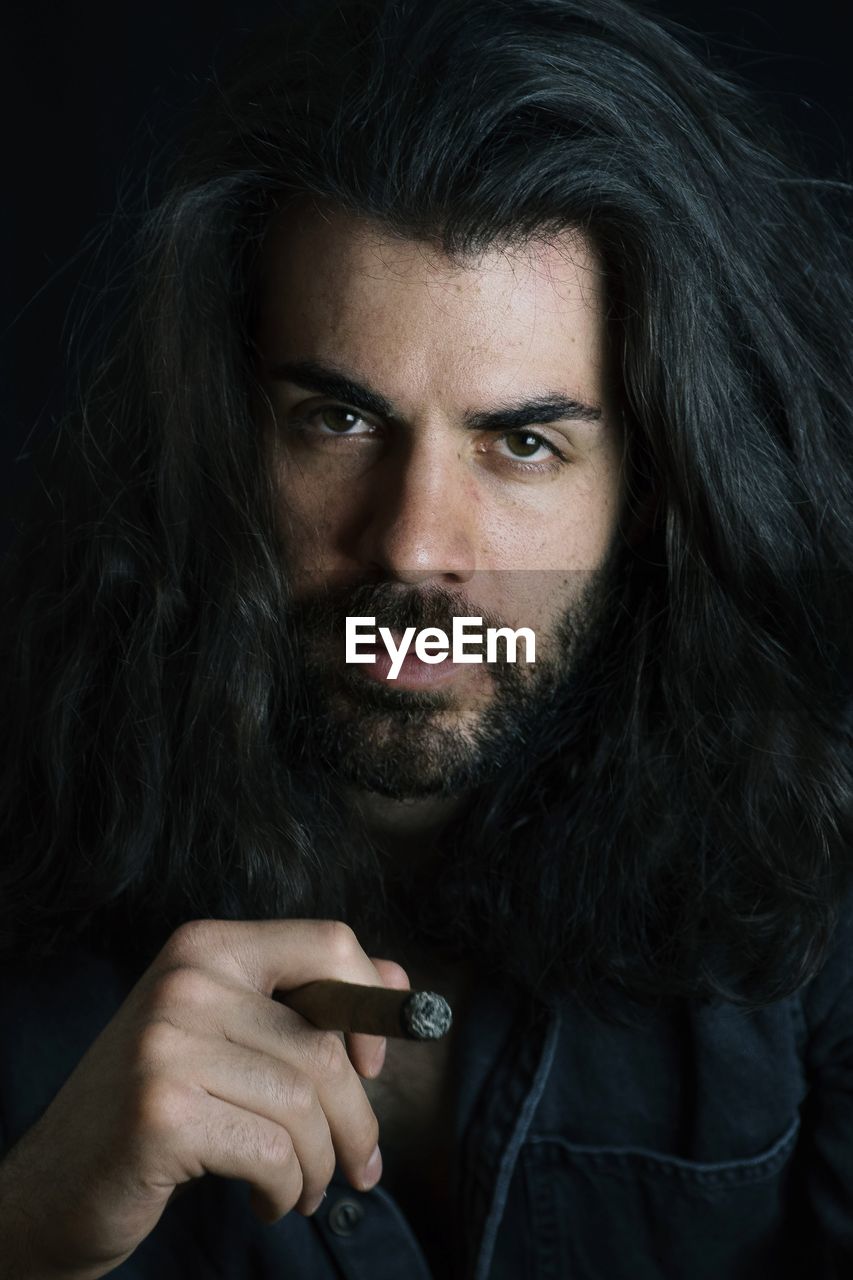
(375, 1011)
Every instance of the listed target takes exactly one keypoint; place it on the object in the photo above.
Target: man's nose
(421, 520)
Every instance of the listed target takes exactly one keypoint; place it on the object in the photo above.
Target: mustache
(392, 606)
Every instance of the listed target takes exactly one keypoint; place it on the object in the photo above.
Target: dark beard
(408, 744)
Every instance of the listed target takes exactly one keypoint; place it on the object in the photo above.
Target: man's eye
(339, 421)
(527, 445)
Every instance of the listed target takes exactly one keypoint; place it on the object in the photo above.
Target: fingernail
(373, 1169)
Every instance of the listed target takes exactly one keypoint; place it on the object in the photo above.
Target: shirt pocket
(612, 1213)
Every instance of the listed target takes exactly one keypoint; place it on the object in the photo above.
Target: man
(453, 311)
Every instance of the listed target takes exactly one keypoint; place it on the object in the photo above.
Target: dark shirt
(700, 1142)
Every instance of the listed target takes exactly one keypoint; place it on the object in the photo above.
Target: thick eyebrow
(328, 381)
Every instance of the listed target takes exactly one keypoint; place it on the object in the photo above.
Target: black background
(99, 89)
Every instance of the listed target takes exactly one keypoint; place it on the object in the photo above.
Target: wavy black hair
(684, 827)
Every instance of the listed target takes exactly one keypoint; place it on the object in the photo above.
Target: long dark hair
(684, 828)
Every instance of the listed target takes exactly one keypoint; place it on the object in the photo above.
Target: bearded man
(511, 312)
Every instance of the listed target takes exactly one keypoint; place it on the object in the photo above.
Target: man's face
(445, 444)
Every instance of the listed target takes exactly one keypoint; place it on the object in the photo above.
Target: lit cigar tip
(426, 1016)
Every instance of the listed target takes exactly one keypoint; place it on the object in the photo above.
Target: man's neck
(408, 835)
(407, 831)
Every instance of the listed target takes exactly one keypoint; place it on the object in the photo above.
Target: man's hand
(200, 1071)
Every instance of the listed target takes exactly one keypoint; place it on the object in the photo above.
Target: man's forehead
(401, 308)
(333, 247)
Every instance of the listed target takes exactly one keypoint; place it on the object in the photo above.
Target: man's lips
(413, 673)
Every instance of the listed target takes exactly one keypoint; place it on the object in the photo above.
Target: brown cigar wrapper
(331, 1005)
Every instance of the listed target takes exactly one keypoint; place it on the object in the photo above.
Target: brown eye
(338, 419)
(523, 444)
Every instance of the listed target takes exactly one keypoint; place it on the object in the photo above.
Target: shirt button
(344, 1217)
